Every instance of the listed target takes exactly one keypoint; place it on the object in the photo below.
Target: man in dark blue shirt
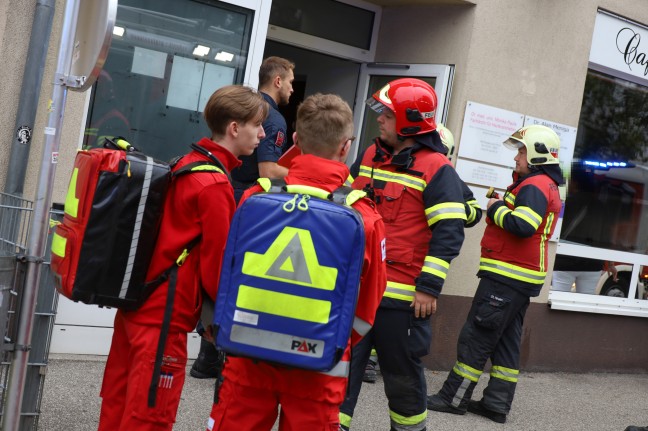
(276, 76)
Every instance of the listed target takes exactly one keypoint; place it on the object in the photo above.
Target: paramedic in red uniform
(512, 268)
(419, 195)
(253, 390)
(200, 204)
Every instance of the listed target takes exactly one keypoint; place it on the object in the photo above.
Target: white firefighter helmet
(541, 142)
(446, 138)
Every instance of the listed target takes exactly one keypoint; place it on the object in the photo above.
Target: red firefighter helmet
(414, 103)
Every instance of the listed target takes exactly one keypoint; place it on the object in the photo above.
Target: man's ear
(344, 150)
(277, 81)
(295, 139)
(232, 129)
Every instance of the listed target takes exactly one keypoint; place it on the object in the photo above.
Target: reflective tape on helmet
(393, 177)
(445, 211)
(512, 271)
(404, 292)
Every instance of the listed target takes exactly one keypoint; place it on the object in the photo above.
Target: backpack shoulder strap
(196, 167)
(272, 185)
(347, 196)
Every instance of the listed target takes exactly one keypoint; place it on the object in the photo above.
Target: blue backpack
(291, 274)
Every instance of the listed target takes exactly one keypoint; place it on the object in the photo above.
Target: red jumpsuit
(196, 204)
(253, 390)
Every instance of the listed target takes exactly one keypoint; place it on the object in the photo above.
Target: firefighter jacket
(196, 205)
(473, 210)
(309, 170)
(514, 246)
(419, 195)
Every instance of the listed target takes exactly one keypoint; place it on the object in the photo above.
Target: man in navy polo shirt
(276, 76)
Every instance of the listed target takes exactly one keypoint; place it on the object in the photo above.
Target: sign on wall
(484, 129)
(620, 45)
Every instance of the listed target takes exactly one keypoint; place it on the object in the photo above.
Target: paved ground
(544, 402)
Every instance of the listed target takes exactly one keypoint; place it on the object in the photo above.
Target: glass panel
(606, 204)
(166, 58)
(606, 198)
(369, 124)
(327, 19)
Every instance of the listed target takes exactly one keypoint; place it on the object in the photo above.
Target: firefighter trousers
(400, 340)
(492, 330)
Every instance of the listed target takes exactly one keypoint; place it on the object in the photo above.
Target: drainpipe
(29, 95)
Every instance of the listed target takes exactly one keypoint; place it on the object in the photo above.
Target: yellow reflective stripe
(408, 420)
(209, 168)
(509, 198)
(393, 177)
(308, 190)
(473, 203)
(58, 245)
(473, 206)
(528, 215)
(404, 292)
(512, 271)
(345, 420)
(543, 240)
(265, 183)
(500, 212)
(435, 266)
(71, 201)
(467, 372)
(91, 131)
(354, 196)
(283, 304)
(503, 373)
(349, 181)
(277, 262)
(445, 211)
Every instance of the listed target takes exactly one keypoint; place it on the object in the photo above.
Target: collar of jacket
(405, 158)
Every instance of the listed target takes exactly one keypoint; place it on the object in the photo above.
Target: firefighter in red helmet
(419, 195)
(512, 269)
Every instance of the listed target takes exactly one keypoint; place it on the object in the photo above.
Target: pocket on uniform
(492, 242)
(392, 198)
(491, 311)
(419, 337)
(169, 389)
(396, 254)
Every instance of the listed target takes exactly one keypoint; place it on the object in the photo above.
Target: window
(604, 236)
(166, 58)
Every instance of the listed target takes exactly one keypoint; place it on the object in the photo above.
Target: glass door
(374, 76)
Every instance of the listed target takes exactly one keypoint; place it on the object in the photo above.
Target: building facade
(580, 67)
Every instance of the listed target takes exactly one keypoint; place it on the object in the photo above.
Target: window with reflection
(606, 205)
(166, 58)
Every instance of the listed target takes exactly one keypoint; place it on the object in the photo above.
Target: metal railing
(15, 220)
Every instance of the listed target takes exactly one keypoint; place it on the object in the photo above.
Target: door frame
(443, 74)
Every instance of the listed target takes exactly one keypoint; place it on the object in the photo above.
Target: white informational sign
(185, 83)
(216, 76)
(484, 130)
(472, 172)
(149, 62)
(620, 45)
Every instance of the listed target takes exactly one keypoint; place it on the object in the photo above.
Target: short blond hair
(234, 103)
(324, 121)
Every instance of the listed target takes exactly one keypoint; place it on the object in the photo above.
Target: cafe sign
(621, 45)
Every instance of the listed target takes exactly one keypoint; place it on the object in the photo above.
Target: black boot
(209, 362)
(478, 408)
